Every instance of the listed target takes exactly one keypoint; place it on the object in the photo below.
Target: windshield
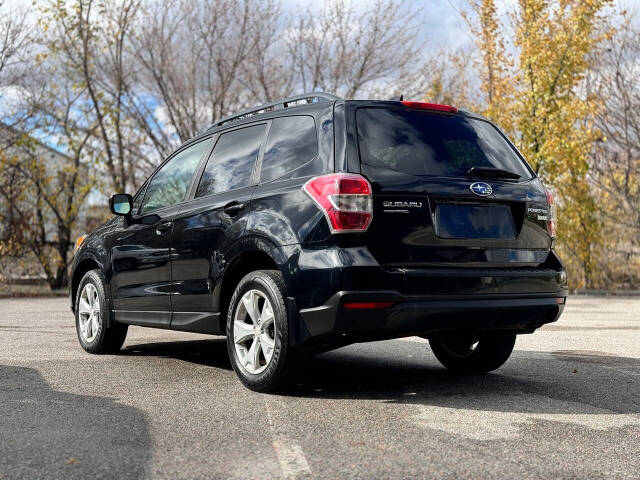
(424, 143)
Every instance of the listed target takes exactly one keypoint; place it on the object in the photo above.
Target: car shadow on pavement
(565, 382)
(209, 352)
(48, 433)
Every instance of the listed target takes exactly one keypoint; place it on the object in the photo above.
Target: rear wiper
(488, 172)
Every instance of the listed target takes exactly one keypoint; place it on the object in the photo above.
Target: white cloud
(12, 99)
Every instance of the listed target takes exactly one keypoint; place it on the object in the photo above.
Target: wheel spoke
(256, 355)
(267, 345)
(250, 302)
(91, 297)
(95, 325)
(242, 331)
(253, 356)
(83, 327)
(83, 306)
(266, 316)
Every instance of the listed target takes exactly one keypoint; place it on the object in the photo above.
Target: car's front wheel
(473, 353)
(258, 331)
(92, 310)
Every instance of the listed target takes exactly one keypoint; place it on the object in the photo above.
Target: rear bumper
(424, 301)
(331, 324)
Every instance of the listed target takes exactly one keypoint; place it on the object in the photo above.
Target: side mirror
(120, 204)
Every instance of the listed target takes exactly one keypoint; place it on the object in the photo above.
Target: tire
(271, 367)
(105, 339)
(483, 353)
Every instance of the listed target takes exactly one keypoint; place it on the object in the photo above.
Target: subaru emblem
(481, 188)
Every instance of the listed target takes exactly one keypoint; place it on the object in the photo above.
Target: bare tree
(207, 60)
(155, 73)
(16, 56)
(340, 50)
(118, 84)
(90, 39)
(196, 58)
(15, 43)
(43, 190)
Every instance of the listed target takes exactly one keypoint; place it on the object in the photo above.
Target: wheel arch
(83, 266)
(258, 255)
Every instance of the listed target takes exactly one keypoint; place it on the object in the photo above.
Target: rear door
(208, 229)
(443, 195)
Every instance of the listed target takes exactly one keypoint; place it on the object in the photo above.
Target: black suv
(313, 222)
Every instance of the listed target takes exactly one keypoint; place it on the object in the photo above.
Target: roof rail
(277, 105)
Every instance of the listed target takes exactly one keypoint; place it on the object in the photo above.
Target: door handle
(233, 208)
(163, 227)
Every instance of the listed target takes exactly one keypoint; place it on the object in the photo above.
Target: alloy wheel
(89, 312)
(254, 332)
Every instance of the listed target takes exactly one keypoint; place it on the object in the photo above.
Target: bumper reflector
(366, 305)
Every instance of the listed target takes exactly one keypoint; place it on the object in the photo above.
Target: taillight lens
(552, 218)
(345, 199)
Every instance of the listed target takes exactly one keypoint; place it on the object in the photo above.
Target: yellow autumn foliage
(536, 97)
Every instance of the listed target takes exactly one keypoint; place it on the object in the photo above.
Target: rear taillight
(345, 199)
(552, 218)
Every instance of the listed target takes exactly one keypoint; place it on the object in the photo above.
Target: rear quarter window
(425, 143)
(292, 143)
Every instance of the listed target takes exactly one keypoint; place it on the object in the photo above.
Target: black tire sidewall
(95, 277)
(492, 352)
(270, 284)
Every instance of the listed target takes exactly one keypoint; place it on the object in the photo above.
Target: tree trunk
(61, 278)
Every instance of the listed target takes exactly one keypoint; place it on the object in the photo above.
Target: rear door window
(231, 164)
(424, 143)
(292, 142)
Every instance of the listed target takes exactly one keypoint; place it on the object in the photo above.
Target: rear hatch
(448, 190)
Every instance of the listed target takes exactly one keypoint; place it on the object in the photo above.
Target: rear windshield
(424, 143)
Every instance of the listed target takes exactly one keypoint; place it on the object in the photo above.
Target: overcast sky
(440, 19)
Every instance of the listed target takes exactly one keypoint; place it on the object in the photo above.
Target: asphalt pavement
(566, 405)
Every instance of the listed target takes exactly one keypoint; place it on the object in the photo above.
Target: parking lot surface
(566, 405)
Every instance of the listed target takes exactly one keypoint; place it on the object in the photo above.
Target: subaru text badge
(387, 204)
(481, 188)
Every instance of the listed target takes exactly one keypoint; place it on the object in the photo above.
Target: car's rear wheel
(258, 331)
(92, 311)
(473, 353)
